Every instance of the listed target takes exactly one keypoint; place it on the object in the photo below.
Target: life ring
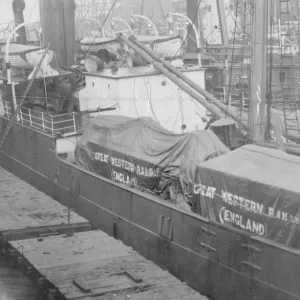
(209, 75)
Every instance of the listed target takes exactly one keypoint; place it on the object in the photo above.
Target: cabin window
(282, 76)
(237, 78)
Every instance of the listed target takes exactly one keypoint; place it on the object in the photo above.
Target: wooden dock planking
(100, 266)
(26, 212)
(86, 266)
(22, 207)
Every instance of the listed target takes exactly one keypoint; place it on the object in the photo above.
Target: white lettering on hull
(246, 204)
(128, 166)
(204, 190)
(227, 216)
(123, 178)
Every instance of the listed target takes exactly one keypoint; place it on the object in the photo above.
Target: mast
(58, 24)
(257, 104)
(222, 22)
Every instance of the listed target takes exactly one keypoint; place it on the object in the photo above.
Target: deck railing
(233, 98)
(63, 124)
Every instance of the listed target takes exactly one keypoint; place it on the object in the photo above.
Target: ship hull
(220, 262)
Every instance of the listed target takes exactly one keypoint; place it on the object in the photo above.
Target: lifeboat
(28, 57)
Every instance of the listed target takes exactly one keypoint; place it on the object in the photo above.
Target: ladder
(247, 10)
(287, 78)
(247, 16)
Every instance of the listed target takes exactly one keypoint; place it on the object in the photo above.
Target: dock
(49, 257)
(26, 212)
(92, 265)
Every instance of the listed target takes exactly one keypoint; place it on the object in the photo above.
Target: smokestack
(58, 27)
(193, 13)
(18, 7)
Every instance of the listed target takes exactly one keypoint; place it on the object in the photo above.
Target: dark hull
(220, 262)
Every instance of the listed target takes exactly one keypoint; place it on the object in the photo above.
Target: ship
(223, 260)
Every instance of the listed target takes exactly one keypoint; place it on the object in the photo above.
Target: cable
(176, 120)
(188, 33)
(229, 14)
(103, 23)
(189, 99)
(32, 9)
(149, 94)
(134, 98)
(44, 79)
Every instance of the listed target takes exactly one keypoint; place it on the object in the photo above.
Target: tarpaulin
(252, 188)
(141, 153)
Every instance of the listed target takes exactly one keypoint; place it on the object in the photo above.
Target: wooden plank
(78, 244)
(61, 276)
(82, 285)
(99, 286)
(42, 231)
(63, 243)
(66, 271)
(100, 292)
(133, 276)
(102, 266)
(119, 251)
(152, 277)
(57, 251)
(78, 248)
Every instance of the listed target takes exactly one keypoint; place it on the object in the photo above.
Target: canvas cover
(252, 188)
(141, 153)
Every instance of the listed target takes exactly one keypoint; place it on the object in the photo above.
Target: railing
(240, 99)
(63, 124)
